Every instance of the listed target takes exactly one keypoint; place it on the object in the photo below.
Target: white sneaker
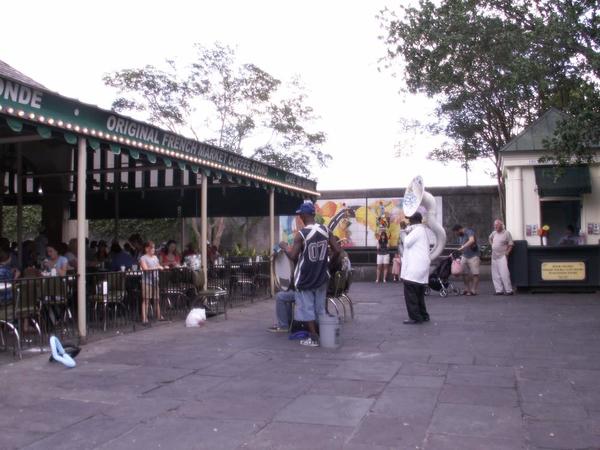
(309, 342)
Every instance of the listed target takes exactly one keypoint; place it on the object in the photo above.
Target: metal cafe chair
(28, 310)
(208, 298)
(55, 295)
(333, 295)
(243, 281)
(342, 281)
(8, 317)
(175, 285)
(344, 296)
(109, 293)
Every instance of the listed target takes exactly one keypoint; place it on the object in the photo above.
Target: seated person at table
(284, 304)
(102, 254)
(189, 250)
(339, 263)
(71, 253)
(55, 261)
(170, 257)
(212, 254)
(12, 257)
(570, 237)
(119, 258)
(6, 276)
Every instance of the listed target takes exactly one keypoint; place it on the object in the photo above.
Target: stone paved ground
(491, 373)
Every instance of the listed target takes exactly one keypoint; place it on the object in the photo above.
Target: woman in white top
(150, 265)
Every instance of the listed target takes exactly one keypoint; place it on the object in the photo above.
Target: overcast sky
(69, 45)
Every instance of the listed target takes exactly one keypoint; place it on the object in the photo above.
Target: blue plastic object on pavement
(59, 354)
(298, 335)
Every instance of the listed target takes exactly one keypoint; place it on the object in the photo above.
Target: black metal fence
(32, 309)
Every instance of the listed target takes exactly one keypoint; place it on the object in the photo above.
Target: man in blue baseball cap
(310, 253)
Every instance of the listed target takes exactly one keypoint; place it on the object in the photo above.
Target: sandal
(468, 293)
(465, 293)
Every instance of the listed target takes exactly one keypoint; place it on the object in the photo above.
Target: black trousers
(414, 296)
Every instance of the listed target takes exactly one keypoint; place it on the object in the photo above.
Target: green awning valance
(563, 181)
(15, 125)
(94, 144)
(44, 132)
(70, 138)
(116, 149)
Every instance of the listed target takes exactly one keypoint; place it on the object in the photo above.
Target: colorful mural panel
(356, 221)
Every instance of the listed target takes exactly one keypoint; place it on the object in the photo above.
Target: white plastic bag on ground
(196, 317)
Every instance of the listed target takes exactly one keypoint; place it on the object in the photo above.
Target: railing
(32, 309)
(243, 280)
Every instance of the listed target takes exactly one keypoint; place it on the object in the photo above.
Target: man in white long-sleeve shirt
(415, 270)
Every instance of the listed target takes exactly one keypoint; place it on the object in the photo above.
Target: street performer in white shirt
(415, 270)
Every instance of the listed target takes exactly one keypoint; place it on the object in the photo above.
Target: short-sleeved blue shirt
(474, 249)
(6, 276)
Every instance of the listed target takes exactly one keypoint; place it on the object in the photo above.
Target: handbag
(456, 267)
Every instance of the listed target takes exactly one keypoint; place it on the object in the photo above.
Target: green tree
(158, 230)
(243, 108)
(494, 66)
(239, 107)
(32, 220)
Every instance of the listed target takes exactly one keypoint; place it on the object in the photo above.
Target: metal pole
(20, 207)
(272, 233)
(81, 185)
(204, 227)
(2, 177)
(182, 233)
(116, 229)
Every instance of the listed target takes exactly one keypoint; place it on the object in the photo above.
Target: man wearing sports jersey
(310, 253)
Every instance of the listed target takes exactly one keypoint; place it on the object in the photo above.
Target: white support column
(19, 205)
(517, 200)
(81, 185)
(272, 233)
(204, 227)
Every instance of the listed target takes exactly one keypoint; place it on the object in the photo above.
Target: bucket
(329, 331)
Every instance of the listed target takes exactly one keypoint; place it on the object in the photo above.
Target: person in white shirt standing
(502, 244)
(415, 270)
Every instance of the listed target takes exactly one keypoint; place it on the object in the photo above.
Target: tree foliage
(158, 230)
(32, 220)
(495, 65)
(239, 107)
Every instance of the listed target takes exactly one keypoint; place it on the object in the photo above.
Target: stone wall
(472, 206)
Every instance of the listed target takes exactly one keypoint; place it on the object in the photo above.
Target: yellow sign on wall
(563, 271)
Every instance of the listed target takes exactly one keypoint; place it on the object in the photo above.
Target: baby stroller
(439, 279)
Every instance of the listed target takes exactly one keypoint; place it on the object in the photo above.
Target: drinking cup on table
(53, 272)
(122, 268)
(134, 267)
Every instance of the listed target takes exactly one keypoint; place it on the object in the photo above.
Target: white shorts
(383, 259)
